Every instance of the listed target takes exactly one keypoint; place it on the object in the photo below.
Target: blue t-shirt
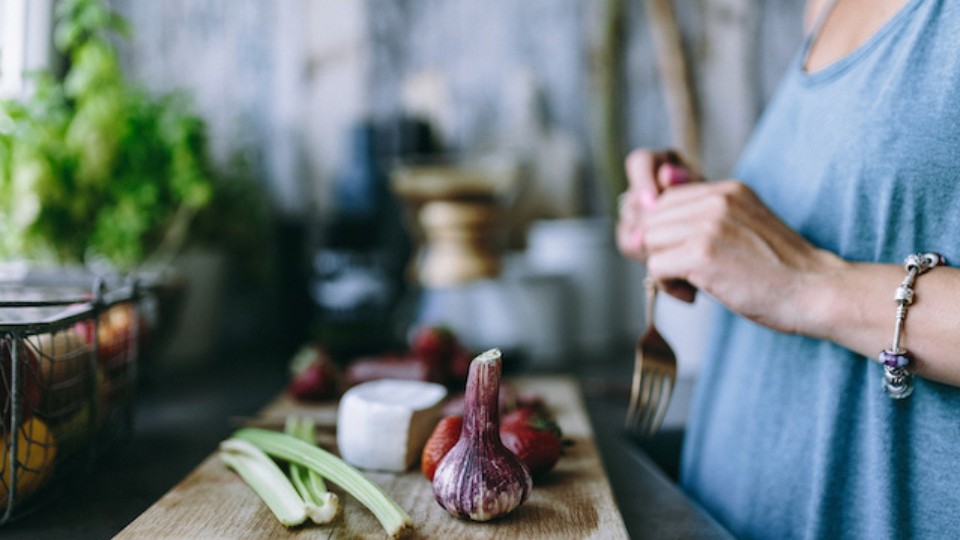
(791, 437)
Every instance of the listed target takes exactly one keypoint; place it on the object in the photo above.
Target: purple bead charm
(894, 360)
(897, 381)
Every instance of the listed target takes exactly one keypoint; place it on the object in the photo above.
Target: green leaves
(92, 165)
(77, 20)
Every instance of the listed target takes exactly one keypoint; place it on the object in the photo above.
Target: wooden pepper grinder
(462, 241)
(461, 210)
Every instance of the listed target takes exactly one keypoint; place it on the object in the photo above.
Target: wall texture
(282, 80)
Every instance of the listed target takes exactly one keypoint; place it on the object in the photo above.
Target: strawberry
(435, 345)
(434, 342)
(444, 436)
(531, 416)
(533, 437)
(313, 375)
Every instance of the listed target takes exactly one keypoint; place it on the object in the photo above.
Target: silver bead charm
(904, 294)
(897, 382)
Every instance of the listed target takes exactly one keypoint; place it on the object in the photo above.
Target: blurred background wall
(282, 82)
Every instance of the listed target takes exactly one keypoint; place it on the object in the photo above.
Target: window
(11, 46)
(25, 41)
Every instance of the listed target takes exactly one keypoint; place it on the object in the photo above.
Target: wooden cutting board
(574, 501)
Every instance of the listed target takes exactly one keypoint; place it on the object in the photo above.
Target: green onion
(321, 505)
(289, 448)
(266, 479)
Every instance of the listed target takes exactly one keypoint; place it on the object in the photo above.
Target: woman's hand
(718, 237)
(721, 238)
(649, 174)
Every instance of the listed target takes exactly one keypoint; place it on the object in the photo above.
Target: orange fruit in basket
(64, 376)
(114, 329)
(30, 392)
(36, 457)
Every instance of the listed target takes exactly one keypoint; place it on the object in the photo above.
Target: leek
(266, 479)
(294, 450)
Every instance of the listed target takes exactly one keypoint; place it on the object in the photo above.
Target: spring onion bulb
(266, 479)
(321, 505)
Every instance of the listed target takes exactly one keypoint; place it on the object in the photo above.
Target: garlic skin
(479, 479)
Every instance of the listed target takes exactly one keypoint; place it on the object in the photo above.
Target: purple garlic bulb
(479, 479)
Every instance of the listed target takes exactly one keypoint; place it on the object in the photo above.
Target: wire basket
(68, 368)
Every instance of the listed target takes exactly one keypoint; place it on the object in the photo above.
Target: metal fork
(654, 372)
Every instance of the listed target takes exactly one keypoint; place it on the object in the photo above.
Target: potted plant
(95, 171)
(92, 167)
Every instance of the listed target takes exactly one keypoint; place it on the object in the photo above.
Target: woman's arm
(722, 239)
(853, 306)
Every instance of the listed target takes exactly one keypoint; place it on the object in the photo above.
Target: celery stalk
(289, 448)
(266, 479)
(321, 505)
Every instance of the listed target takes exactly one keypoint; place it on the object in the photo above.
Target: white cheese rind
(383, 425)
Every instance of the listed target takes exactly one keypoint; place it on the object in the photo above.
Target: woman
(854, 165)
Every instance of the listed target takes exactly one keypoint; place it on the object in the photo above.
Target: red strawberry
(434, 342)
(533, 437)
(534, 416)
(435, 345)
(313, 375)
(444, 436)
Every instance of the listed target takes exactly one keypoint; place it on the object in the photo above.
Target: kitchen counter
(651, 504)
(181, 418)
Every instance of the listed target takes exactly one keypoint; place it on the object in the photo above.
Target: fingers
(712, 235)
(725, 192)
(629, 231)
(698, 211)
(639, 197)
(641, 168)
(687, 211)
(652, 172)
(671, 268)
(684, 231)
(649, 175)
